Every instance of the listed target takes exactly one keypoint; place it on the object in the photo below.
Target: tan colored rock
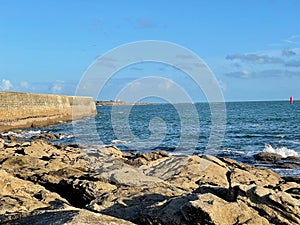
(137, 162)
(26, 144)
(188, 172)
(153, 155)
(67, 215)
(291, 204)
(112, 151)
(89, 218)
(289, 185)
(260, 177)
(152, 188)
(214, 160)
(210, 209)
(128, 202)
(120, 173)
(244, 174)
(262, 192)
(19, 195)
(22, 165)
(11, 144)
(276, 206)
(131, 177)
(141, 159)
(39, 149)
(2, 143)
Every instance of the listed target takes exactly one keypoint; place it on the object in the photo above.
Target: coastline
(114, 103)
(60, 183)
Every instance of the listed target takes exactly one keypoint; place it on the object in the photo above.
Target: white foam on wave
(32, 132)
(23, 134)
(10, 133)
(283, 151)
(63, 136)
(120, 142)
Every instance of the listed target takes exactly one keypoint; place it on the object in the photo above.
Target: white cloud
(24, 84)
(263, 73)
(135, 85)
(166, 85)
(288, 52)
(255, 58)
(294, 39)
(57, 86)
(6, 85)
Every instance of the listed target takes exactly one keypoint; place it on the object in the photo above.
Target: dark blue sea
(249, 128)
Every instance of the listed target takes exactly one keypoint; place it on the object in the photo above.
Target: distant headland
(119, 102)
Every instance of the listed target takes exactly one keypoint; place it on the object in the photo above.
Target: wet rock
(287, 165)
(292, 179)
(51, 136)
(293, 158)
(267, 157)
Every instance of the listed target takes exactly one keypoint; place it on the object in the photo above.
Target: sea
(245, 129)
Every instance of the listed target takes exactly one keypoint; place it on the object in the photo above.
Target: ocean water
(251, 127)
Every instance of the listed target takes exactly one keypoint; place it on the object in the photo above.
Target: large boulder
(267, 156)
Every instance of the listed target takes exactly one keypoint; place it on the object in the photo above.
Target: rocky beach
(44, 183)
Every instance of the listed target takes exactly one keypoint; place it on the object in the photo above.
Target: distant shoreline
(110, 103)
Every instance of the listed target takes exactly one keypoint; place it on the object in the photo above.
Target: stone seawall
(22, 110)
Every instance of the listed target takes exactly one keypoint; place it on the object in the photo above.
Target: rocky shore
(42, 183)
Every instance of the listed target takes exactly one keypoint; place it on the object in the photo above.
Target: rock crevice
(40, 181)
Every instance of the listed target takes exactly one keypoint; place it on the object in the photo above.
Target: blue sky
(252, 47)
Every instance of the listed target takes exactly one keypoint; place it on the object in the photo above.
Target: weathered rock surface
(41, 183)
(277, 161)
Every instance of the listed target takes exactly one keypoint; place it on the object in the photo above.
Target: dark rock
(293, 158)
(267, 156)
(292, 179)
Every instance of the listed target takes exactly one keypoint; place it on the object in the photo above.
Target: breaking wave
(283, 151)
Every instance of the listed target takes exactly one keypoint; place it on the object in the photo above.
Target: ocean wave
(10, 133)
(65, 136)
(283, 151)
(118, 142)
(22, 134)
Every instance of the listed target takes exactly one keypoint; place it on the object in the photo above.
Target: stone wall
(22, 110)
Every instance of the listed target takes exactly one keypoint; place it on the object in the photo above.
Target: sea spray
(283, 151)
